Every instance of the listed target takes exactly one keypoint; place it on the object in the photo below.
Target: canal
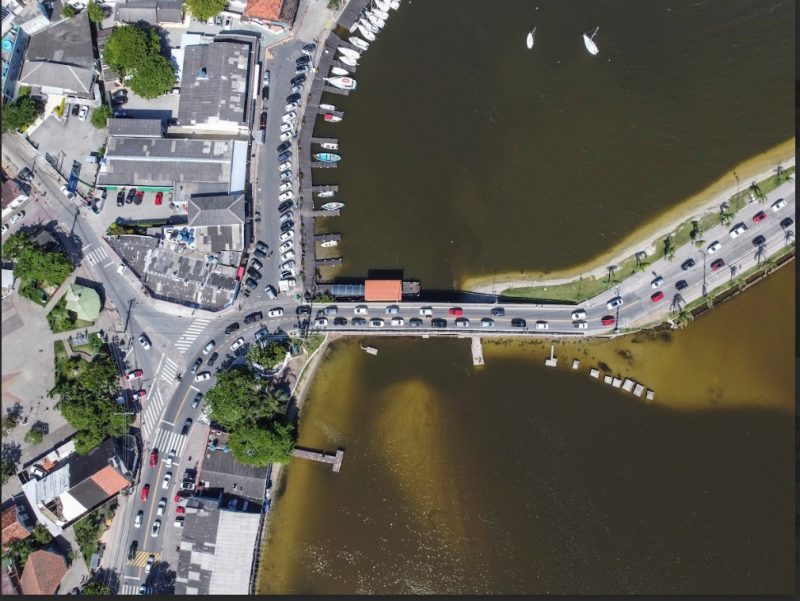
(466, 155)
(516, 478)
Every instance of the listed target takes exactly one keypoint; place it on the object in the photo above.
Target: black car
(213, 359)
(787, 222)
(137, 200)
(681, 284)
(252, 284)
(497, 312)
(284, 156)
(303, 310)
(261, 250)
(293, 98)
(298, 79)
(232, 328)
(132, 549)
(263, 121)
(285, 227)
(257, 316)
(340, 321)
(303, 60)
(284, 146)
(131, 196)
(415, 322)
(76, 109)
(187, 424)
(255, 273)
(687, 264)
(120, 198)
(439, 323)
(302, 69)
(309, 48)
(265, 93)
(285, 206)
(196, 365)
(518, 322)
(759, 240)
(25, 175)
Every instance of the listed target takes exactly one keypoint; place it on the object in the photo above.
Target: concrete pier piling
(477, 350)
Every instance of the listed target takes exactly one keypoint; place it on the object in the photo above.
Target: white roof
(233, 553)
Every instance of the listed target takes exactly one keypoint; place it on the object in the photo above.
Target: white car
(211, 344)
(178, 522)
(156, 528)
(288, 245)
(150, 561)
(145, 342)
(289, 117)
(202, 376)
(137, 521)
(578, 314)
(427, 311)
(738, 230)
(778, 204)
(285, 187)
(5, 228)
(17, 217)
(361, 310)
(286, 236)
(656, 283)
(285, 166)
(487, 322)
(290, 107)
(580, 325)
(285, 136)
(321, 322)
(376, 322)
(162, 506)
(289, 254)
(614, 303)
(290, 282)
(714, 247)
(237, 343)
(167, 480)
(170, 458)
(83, 112)
(541, 325)
(288, 195)
(398, 321)
(275, 312)
(462, 322)
(286, 128)
(67, 193)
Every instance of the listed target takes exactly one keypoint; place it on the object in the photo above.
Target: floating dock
(595, 373)
(616, 382)
(312, 455)
(318, 189)
(370, 350)
(324, 141)
(324, 165)
(328, 237)
(552, 361)
(650, 395)
(477, 351)
(321, 213)
(329, 262)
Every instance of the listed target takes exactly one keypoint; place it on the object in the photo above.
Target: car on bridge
(487, 322)
(681, 285)
(321, 322)
(439, 323)
(361, 310)
(759, 240)
(541, 325)
(462, 322)
(497, 312)
(737, 230)
(518, 322)
(426, 311)
(340, 321)
(331, 310)
(657, 296)
(580, 325)
(398, 321)
(608, 320)
(578, 314)
(376, 322)
(415, 322)
(614, 303)
(714, 247)
(687, 264)
(359, 322)
(455, 311)
(719, 263)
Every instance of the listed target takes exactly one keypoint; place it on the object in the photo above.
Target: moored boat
(327, 157)
(588, 41)
(382, 5)
(332, 206)
(331, 118)
(381, 14)
(358, 42)
(395, 4)
(339, 71)
(327, 107)
(365, 31)
(531, 39)
(326, 194)
(330, 145)
(349, 52)
(329, 243)
(376, 21)
(349, 61)
(343, 83)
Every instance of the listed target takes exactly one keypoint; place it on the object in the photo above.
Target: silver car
(285, 166)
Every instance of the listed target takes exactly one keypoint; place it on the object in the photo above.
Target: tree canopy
(20, 114)
(261, 446)
(100, 116)
(34, 263)
(95, 587)
(69, 11)
(95, 11)
(238, 398)
(135, 51)
(202, 10)
(269, 355)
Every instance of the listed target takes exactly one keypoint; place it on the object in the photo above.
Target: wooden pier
(324, 141)
(328, 237)
(323, 165)
(312, 455)
(329, 262)
(321, 213)
(318, 189)
(477, 351)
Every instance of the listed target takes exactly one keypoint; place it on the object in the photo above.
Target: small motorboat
(369, 26)
(329, 243)
(327, 157)
(339, 71)
(332, 206)
(331, 118)
(330, 145)
(326, 194)
(365, 31)
(327, 107)
(343, 83)
(358, 42)
(350, 52)
(395, 4)
(376, 21)
(381, 14)
(588, 41)
(382, 5)
(531, 39)
(349, 61)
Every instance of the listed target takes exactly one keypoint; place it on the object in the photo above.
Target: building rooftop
(151, 128)
(15, 524)
(43, 573)
(225, 209)
(221, 473)
(383, 290)
(150, 11)
(215, 84)
(279, 11)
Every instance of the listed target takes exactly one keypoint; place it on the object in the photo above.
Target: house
(62, 486)
(60, 60)
(383, 290)
(218, 221)
(222, 475)
(16, 522)
(155, 12)
(11, 196)
(279, 13)
(43, 572)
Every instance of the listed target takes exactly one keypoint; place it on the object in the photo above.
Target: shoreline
(756, 168)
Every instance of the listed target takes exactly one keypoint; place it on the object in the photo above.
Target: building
(217, 548)
(62, 486)
(218, 222)
(12, 196)
(13, 52)
(135, 128)
(383, 290)
(272, 13)
(38, 15)
(215, 86)
(16, 522)
(155, 12)
(60, 60)
(43, 572)
(225, 477)
(83, 301)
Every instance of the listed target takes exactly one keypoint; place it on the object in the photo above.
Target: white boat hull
(339, 71)
(327, 107)
(326, 194)
(330, 146)
(590, 45)
(380, 13)
(376, 21)
(350, 52)
(368, 35)
(349, 61)
(343, 83)
(332, 118)
(382, 5)
(329, 243)
(395, 4)
(358, 42)
(529, 40)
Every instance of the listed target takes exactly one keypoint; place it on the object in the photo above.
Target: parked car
(309, 49)
(297, 88)
(302, 69)
(298, 79)
(439, 322)
(288, 245)
(261, 249)
(687, 264)
(17, 217)
(778, 204)
(84, 110)
(251, 283)
(717, 264)
(145, 492)
(270, 292)
(288, 255)
(287, 235)
(134, 375)
(285, 166)
(67, 193)
(159, 198)
(293, 97)
(131, 194)
(287, 216)
(185, 430)
(303, 60)
(288, 265)
(284, 156)
(657, 296)
(276, 312)
(759, 240)
(286, 127)
(263, 120)
(286, 205)
(265, 93)
(286, 175)
(120, 198)
(144, 341)
(291, 106)
(25, 174)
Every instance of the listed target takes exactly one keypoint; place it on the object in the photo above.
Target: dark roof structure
(222, 474)
(221, 209)
(150, 11)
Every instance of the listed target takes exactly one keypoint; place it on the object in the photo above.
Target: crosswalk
(191, 334)
(129, 589)
(97, 255)
(152, 414)
(169, 371)
(141, 559)
(167, 441)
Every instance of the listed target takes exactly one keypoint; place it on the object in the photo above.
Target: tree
(203, 10)
(755, 189)
(238, 398)
(154, 77)
(69, 11)
(269, 355)
(19, 115)
(100, 116)
(34, 263)
(260, 446)
(18, 552)
(725, 216)
(95, 587)
(34, 436)
(41, 535)
(669, 248)
(96, 14)
(129, 46)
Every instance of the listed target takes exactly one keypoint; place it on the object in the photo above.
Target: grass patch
(92, 347)
(62, 320)
(312, 342)
(30, 291)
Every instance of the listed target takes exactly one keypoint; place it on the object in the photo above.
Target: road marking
(105, 265)
(195, 388)
(97, 255)
(87, 246)
(191, 334)
(141, 558)
(152, 413)
(130, 578)
(166, 422)
(167, 441)
(170, 370)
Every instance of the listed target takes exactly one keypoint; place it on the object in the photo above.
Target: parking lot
(147, 210)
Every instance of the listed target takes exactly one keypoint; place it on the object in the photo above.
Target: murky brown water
(516, 478)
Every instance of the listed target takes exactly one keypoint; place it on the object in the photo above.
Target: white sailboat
(343, 83)
(329, 243)
(339, 71)
(375, 20)
(326, 194)
(381, 14)
(365, 31)
(358, 42)
(349, 52)
(382, 5)
(531, 39)
(330, 145)
(395, 4)
(588, 41)
(327, 107)
(348, 60)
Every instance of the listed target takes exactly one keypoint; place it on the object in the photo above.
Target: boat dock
(328, 237)
(552, 361)
(370, 350)
(333, 90)
(318, 189)
(312, 455)
(477, 350)
(324, 165)
(329, 262)
(321, 213)
(325, 141)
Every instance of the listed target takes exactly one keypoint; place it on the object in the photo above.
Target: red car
(759, 217)
(456, 311)
(145, 492)
(141, 393)
(180, 509)
(608, 320)
(159, 197)
(657, 296)
(178, 498)
(717, 264)
(153, 458)
(135, 374)
(137, 200)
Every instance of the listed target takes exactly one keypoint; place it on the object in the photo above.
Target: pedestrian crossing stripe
(191, 334)
(169, 370)
(141, 559)
(168, 441)
(97, 255)
(130, 589)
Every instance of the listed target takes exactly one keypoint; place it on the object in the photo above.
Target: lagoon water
(465, 154)
(516, 478)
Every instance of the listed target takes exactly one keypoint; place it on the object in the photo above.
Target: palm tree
(669, 247)
(611, 271)
(684, 317)
(725, 216)
(756, 190)
(696, 234)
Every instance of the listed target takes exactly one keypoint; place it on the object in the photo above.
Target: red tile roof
(383, 290)
(110, 480)
(12, 529)
(271, 10)
(43, 573)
